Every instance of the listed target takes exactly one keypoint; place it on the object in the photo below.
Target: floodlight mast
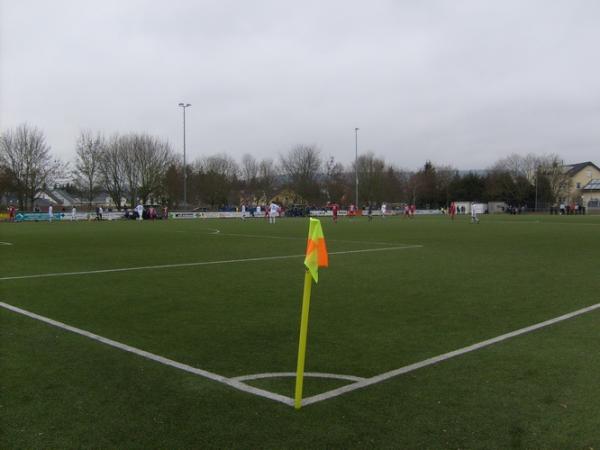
(184, 106)
(356, 164)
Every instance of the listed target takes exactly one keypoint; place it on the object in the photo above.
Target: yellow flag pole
(302, 340)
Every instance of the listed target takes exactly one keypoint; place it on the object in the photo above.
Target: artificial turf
(371, 312)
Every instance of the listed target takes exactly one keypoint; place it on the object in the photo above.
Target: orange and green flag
(316, 251)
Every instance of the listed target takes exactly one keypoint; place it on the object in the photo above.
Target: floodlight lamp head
(181, 104)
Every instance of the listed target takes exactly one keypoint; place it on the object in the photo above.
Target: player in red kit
(334, 211)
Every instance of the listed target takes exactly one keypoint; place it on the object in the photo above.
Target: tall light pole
(537, 175)
(356, 164)
(183, 106)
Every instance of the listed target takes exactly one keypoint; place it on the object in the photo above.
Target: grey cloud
(460, 82)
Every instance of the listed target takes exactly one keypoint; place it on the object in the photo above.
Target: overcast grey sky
(461, 82)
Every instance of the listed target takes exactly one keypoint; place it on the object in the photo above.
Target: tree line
(138, 167)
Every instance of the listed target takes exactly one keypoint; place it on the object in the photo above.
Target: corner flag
(316, 256)
(316, 250)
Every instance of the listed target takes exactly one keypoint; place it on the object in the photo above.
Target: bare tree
(26, 159)
(523, 171)
(519, 166)
(552, 167)
(112, 169)
(302, 165)
(249, 176)
(371, 171)
(444, 177)
(335, 180)
(87, 175)
(128, 152)
(249, 169)
(267, 179)
(216, 180)
(152, 157)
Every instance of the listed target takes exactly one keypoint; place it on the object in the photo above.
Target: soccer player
(452, 210)
(273, 212)
(50, 213)
(474, 218)
(334, 211)
(243, 211)
(383, 210)
(140, 210)
(73, 212)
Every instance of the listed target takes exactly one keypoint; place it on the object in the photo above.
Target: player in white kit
(73, 212)
(474, 211)
(383, 210)
(140, 211)
(273, 212)
(50, 213)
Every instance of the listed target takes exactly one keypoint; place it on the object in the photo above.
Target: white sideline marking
(304, 239)
(237, 383)
(436, 359)
(5, 243)
(144, 354)
(259, 376)
(201, 263)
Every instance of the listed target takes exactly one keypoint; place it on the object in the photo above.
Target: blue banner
(37, 217)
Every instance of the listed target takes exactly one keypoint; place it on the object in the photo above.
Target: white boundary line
(237, 383)
(300, 238)
(436, 359)
(144, 354)
(5, 243)
(201, 263)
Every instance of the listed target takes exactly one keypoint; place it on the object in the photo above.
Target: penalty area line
(200, 263)
(436, 359)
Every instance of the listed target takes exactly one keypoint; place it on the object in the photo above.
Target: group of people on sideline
(273, 211)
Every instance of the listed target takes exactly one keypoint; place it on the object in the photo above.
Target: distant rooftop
(593, 185)
(572, 169)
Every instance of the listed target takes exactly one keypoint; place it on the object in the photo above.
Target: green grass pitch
(454, 284)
